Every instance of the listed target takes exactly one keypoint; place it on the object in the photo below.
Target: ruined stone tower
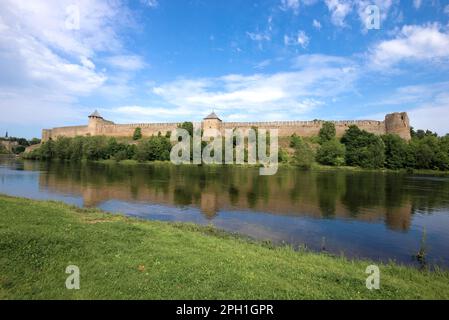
(399, 124)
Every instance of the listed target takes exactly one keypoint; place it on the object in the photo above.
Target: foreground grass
(122, 258)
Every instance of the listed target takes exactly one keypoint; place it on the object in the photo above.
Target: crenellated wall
(397, 123)
(309, 128)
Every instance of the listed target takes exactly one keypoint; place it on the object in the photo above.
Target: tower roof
(95, 114)
(212, 116)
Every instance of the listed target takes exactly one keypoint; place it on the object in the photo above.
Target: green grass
(124, 258)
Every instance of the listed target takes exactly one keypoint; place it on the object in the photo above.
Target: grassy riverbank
(122, 257)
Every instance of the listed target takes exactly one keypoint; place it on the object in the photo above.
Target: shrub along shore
(127, 258)
(356, 148)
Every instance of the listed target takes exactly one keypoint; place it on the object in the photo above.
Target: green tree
(187, 126)
(120, 155)
(303, 156)
(396, 151)
(137, 134)
(363, 149)
(131, 151)
(154, 148)
(429, 152)
(96, 148)
(47, 150)
(327, 132)
(282, 156)
(62, 148)
(76, 148)
(331, 153)
(34, 141)
(295, 141)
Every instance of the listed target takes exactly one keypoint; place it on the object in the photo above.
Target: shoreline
(122, 257)
(314, 167)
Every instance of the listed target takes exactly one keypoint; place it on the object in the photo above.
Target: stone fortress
(397, 123)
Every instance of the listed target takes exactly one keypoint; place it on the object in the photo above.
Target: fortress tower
(210, 124)
(95, 122)
(399, 124)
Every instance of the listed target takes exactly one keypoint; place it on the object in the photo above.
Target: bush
(35, 141)
(154, 148)
(303, 156)
(396, 151)
(295, 141)
(62, 148)
(363, 149)
(76, 149)
(47, 150)
(120, 155)
(137, 134)
(187, 126)
(331, 153)
(3, 149)
(96, 148)
(429, 152)
(283, 156)
(327, 132)
(101, 147)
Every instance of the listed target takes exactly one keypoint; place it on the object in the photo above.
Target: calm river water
(376, 215)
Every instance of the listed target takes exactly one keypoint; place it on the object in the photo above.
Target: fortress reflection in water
(364, 196)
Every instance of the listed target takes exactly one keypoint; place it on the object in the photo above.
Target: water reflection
(365, 196)
(353, 210)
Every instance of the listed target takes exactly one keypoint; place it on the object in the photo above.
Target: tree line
(22, 143)
(359, 148)
(102, 148)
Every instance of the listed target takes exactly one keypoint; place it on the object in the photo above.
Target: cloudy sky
(166, 60)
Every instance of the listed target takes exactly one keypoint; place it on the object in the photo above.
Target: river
(376, 215)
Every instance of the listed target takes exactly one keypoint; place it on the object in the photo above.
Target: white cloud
(294, 5)
(87, 63)
(300, 39)
(258, 36)
(316, 24)
(150, 3)
(290, 5)
(45, 66)
(297, 92)
(127, 62)
(383, 5)
(432, 116)
(427, 105)
(412, 43)
(262, 64)
(339, 10)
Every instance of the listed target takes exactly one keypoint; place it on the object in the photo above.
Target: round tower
(398, 123)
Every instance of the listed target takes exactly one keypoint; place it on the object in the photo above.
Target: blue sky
(167, 60)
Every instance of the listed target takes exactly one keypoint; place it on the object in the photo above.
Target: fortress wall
(397, 123)
(127, 130)
(71, 132)
(309, 128)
